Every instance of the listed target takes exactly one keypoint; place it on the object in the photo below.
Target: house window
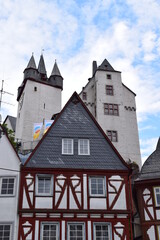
(111, 109)
(109, 90)
(44, 185)
(157, 195)
(112, 135)
(5, 231)
(97, 186)
(50, 231)
(7, 186)
(109, 76)
(102, 231)
(84, 96)
(67, 146)
(76, 231)
(83, 147)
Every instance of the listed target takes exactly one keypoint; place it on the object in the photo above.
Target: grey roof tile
(106, 66)
(31, 63)
(55, 71)
(76, 122)
(41, 65)
(151, 167)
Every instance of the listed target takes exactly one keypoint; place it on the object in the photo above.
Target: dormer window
(83, 147)
(67, 146)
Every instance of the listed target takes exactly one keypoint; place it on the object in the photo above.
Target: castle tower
(113, 105)
(39, 97)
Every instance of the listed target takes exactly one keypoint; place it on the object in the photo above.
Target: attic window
(67, 146)
(83, 147)
(109, 76)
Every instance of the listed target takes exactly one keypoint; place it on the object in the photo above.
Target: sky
(76, 32)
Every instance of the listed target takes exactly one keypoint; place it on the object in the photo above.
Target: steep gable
(76, 122)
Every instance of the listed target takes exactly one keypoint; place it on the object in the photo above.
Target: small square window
(7, 186)
(112, 135)
(97, 186)
(109, 90)
(102, 231)
(67, 146)
(76, 231)
(84, 96)
(44, 185)
(83, 147)
(109, 76)
(50, 231)
(5, 231)
(157, 195)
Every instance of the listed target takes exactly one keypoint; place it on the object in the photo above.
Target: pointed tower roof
(41, 65)
(31, 63)
(151, 167)
(106, 66)
(76, 122)
(55, 70)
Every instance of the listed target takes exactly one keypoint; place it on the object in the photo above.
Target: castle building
(36, 98)
(113, 105)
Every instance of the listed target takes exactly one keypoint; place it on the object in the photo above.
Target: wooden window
(67, 146)
(50, 231)
(109, 90)
(97, 186)
(83, 147)
(108, 76)
(111, 109)
(5, 231)
(7, 186)
(84, 96)
(76, 231)
(102, 231)
(44, 185)
(157, 195)
(112, 135)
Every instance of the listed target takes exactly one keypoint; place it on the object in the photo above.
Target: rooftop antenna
(1, 94)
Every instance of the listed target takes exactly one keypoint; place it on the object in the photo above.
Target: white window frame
(14, 186)
(104, 186)
(51, 184)
(155, 195)
(79, 147)
(102, 224)
(50, 223)
(75, 223)
(11, 228)
(63, 150)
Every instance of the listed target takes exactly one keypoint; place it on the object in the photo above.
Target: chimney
(94, 67)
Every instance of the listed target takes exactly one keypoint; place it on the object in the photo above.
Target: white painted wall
(9, 205)
(33, 109)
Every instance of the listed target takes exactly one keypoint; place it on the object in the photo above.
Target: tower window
(84, 96)
(35, 89)
(109, 76)
(112, 135)
(111, 109)
(109, 90)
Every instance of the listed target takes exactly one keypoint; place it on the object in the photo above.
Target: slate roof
(55, 70)
(106, 66)
(41, 65)
(31, 63)
(151, 167)
(75, 121)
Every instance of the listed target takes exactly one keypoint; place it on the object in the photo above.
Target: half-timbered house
(148, 196)
(75, 185)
